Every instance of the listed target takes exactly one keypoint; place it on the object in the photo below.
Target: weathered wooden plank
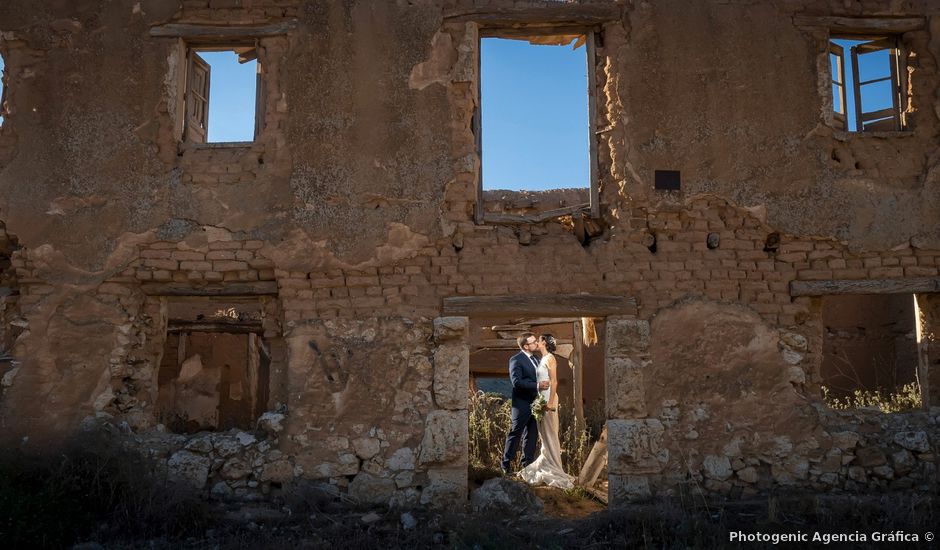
(526, 324)
(258, 288)
(861, 24)
(592, 125)
(490, 217)
(508, 343)
(537, 32)
(865, 286)
(540, 305)
(236, 328)
(595, 461)
(491, 370)
(580, 14)
(576, 360)
(184, 30)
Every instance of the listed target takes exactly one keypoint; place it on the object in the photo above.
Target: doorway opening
(580, 386)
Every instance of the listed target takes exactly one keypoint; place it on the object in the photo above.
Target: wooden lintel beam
(537, 15)
(539, 305)
(233, 328)
(221, 32)
(865, 286)
(490, 370)
(861, 24)
(258, 288)
(498, 344)
(524, 324)
(539, 217)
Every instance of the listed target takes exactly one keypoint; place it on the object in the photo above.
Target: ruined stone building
(320, 287)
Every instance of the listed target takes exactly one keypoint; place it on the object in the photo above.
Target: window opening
(3, 89)
(870, 353)
(223, 92)
(214, 374)
(868, 83)
(535, 124)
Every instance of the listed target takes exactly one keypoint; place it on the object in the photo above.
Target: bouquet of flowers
(538, 408)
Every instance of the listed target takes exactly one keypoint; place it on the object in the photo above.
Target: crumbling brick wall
(352, 214)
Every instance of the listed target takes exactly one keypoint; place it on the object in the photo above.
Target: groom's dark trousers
(524, 391)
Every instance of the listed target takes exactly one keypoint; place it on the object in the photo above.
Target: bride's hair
(550, 344)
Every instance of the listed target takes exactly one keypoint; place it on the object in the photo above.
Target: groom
(524, 391)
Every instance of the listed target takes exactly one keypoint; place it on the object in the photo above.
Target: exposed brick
(196, 266)
(228, 265)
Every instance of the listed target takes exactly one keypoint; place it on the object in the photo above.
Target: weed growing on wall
(906, 398)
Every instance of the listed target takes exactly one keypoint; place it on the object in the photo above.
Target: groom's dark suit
(524, 391)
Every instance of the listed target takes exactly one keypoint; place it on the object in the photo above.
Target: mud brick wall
(350, 219)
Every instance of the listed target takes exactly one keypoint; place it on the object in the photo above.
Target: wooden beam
(865, 286)
(595, 461)
(577, 366)
(537, 15)
(222, 32)
(510, 343)
(861, 24)
(258, 288)
(539, 305)
(539, 217)
(235, 328)
(498, 370)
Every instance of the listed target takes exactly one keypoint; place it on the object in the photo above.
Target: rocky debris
(370, 517)
(869, 457)
(272, 423)
(913, 441)
(189, 468)
(717, 467)
(500, 495)
(369, 489)
(408, 521)
(845, 440)
(450, 328)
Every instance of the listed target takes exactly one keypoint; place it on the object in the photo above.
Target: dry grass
(906, 398)
(89, 488)
(490, 419)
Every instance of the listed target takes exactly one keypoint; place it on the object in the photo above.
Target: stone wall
(351, 218)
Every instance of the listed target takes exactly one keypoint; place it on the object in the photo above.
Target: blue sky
(1, 91)
(871, 66)
(535, 115)
(231, 97)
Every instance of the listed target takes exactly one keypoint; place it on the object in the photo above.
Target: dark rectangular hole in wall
(869, 344)
(667, 180)
(214, 374)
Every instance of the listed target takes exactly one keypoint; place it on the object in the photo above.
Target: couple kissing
(533, 375)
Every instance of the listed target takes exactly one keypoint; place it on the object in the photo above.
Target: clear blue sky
(1, 91)
(231, 97)
(871, 66)
(535, 115)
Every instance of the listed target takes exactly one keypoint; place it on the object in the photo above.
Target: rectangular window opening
(214, 374)
(3, 89)
(869, 83)
(535, 125)
(223, 94)
(870, 352)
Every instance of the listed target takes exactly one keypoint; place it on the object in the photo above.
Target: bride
(546, 469)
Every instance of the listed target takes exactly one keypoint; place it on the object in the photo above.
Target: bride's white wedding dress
(546, 469)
